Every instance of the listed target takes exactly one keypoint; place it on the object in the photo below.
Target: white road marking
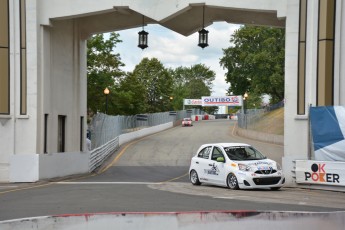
(229, 197)
(100, 183)
(302, 203)
(7, 186)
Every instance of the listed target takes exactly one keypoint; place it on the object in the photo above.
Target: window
(4, 58)
(205, 152)
(243, 153)
(61, 133)
(302, 57)
(45, 133)
(23, 79)
(325, 57)
(81, 133)
(216, 153)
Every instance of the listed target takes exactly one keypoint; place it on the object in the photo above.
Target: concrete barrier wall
(197, 117)
(143, 132)
(34, 167)
(63, 164)
(24, 168)
(186, 221)
(265, 137)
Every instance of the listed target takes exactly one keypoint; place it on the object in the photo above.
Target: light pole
(106, 92)
(245, 96)
(171, 98)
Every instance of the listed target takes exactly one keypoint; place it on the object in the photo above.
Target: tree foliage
(149, 88)
(130, 99)
(255, 63)
(191, 82)
(157, 85)
(103, 70)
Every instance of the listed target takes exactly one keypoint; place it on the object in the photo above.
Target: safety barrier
(108, 133)
(100, 154)
(187, 221)
(105, 128)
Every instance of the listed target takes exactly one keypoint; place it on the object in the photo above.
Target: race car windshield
(243, 153)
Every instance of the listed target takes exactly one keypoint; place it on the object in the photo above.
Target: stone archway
(56, 45)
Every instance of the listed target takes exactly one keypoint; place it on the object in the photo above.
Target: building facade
(43, 69)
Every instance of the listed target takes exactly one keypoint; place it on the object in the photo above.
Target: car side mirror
(220, 159)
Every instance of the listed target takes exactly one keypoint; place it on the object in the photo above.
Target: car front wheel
(194, 178)
(232, 181)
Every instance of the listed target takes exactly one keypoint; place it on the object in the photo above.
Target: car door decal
(213, 171)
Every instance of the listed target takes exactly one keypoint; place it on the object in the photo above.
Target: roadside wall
(188, 221)
(265, 137)
(143, 132)
(34, 167)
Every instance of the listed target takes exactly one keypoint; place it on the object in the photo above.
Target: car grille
(270, 171)
(266, 181)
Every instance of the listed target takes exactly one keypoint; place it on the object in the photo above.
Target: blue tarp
(328, 131)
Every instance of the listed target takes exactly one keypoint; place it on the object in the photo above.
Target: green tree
(255, 63)
(130, 96)
(103, 70)
(191, 82)
(157, 84)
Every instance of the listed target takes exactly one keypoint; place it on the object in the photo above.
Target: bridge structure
(43, 69)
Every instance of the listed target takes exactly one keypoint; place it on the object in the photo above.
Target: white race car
(187, 122)
(235, 165)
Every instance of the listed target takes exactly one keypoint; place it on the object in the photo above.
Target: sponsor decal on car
(213, 171)
(262, 163)
(264, 168)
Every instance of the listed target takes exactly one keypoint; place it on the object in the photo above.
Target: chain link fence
(104, 128)
(255, 119)
(246, 121)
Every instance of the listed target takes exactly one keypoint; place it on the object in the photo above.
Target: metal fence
(251, 119)
(104, 130)
(245, 121)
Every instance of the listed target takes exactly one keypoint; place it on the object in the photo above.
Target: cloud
(175, 50)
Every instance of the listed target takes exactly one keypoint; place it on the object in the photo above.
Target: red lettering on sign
(321, 168)
(315, 177)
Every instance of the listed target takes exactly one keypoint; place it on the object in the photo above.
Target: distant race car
(235, 165)
(187, 122)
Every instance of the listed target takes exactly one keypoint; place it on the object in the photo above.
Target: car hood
(264, 164)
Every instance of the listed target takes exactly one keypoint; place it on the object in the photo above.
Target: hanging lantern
(143, 39)
(203, 38)
(203, 34)
(142, 43)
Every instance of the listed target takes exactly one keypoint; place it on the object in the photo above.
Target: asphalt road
(150, 175)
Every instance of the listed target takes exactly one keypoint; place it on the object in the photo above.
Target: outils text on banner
(222, 101)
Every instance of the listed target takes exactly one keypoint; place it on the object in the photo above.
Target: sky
(174, 50)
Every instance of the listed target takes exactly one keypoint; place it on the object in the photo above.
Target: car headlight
(243, 167)
(279, 167)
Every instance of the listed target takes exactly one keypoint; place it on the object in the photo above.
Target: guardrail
(100, 154)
